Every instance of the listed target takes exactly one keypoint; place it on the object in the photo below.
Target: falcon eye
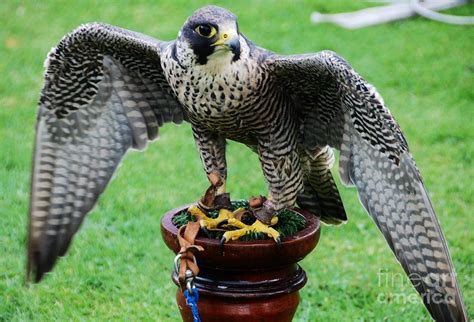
(206, 31)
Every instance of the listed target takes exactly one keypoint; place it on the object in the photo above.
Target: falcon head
(210, 32)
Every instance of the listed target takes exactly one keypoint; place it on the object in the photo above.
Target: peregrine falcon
(107, 90)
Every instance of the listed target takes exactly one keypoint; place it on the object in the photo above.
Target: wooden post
(247, 280)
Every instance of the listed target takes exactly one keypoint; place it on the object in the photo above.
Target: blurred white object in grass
(397, 10)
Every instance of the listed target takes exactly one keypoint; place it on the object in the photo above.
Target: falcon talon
(222, 242)
(223, 223)
(206, 231)
(278, 242)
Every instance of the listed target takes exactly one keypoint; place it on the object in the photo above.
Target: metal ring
(177, 263)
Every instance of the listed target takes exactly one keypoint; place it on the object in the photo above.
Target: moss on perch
(289, 222)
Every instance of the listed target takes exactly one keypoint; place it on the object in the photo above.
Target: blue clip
(192, 295)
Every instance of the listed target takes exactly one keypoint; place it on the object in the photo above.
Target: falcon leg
(283, 174)
(211, 148)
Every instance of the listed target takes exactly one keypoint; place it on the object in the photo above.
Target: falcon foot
(261, 212)
(256, 227)
(223, 219)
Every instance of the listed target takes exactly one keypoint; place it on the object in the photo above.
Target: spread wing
(104, 92)
(338, 108)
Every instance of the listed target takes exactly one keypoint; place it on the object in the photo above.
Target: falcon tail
(320, 195)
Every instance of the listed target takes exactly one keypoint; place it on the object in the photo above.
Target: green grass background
(119, 268)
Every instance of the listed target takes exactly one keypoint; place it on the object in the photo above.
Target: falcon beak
(229, 40)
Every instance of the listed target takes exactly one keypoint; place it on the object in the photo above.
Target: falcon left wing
(338, 108)
(104, 93)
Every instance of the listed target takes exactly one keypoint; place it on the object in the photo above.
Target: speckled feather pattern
(97, 103)
(108, 90)
(342, 110)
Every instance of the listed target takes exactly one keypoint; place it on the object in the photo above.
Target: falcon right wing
(340, 109)
(104, 92)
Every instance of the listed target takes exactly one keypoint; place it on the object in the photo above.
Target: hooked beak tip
(229, 41)
(234, 46)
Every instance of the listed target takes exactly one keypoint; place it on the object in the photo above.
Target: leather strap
(257, 202)
(262, 208)
(211, 200)
(186, 236)
(207, 201)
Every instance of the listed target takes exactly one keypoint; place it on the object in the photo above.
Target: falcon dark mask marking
(224, 35)
(201, 46)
